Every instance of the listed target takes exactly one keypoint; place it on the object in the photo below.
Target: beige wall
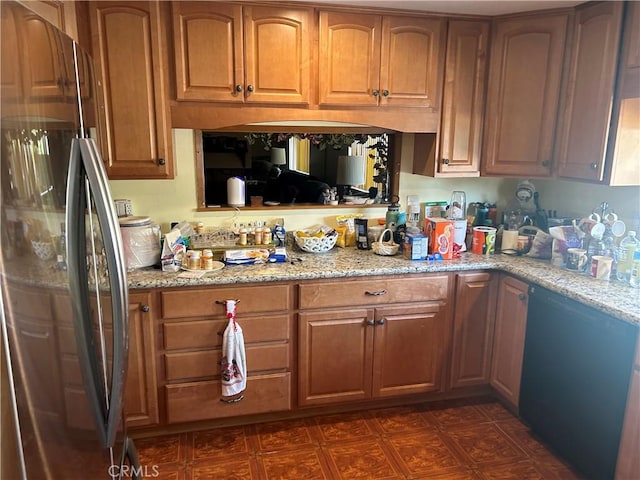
(166, 201)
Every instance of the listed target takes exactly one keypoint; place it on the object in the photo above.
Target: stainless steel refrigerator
(63, 290)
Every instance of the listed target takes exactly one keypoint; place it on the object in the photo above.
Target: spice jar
(194, 260)
(258, 235)
(267, 237)
(207, 259)
(243, 236)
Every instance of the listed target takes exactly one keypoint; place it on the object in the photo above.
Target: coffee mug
(484, 240)
(576, 258)
(601, 267)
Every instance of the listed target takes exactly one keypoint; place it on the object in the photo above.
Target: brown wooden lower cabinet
(508, 342)
(361, 353)
(473, 327)
(188, 402)
(628, 467)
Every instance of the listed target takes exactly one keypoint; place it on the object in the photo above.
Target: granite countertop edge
(613, 297)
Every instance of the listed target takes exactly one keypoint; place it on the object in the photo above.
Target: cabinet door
(522, 99)
(335, 356)
(473, 326)
(349, 59)
(137, 133)
(624, 151)
(208, 51)
(141, 391)
(508, 342)
(591, 79)
(463, 100)
(277, 54)
(409, 349)
(10, 79)
(412, 61)
(629, 455)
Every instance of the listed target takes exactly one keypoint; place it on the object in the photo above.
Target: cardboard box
(415, 246)
(440, 232)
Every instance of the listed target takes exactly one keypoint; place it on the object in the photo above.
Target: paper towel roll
(509, 240)
(235, 192)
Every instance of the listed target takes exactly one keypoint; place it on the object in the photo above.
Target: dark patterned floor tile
(240, 468)
(364, 459)
(167, 449)
(164, 472)
(276, 436)
(523, 437)
(342, 427)
(447, 416)
(306, 463)
(513, 471)
(398, 421)
(495, 411)
(462, 474)
(424, 453)
(221, 442)
(484, 444)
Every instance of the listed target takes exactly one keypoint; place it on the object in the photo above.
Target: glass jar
(194, 260)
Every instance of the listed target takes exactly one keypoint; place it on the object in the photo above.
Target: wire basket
(387, 248)
(316, 244)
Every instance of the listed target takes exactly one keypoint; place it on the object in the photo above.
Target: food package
(173, 251)
(564, 237)
(348, 221)
(541, 247)
(249, 256)
(440, 232)
(415, 246)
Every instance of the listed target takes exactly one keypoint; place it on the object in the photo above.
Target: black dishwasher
(575, 378)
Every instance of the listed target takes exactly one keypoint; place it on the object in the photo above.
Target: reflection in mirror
(296, 168)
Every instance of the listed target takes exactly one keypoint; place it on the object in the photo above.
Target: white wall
(166, 201)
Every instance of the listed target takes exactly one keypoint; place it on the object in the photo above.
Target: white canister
(141, 241)
(235, 192)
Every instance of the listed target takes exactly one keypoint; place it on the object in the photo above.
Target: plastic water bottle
(634, 278)
(625, 253)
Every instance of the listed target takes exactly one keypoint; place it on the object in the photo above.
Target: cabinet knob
(381, 321)
(376, 93)
(161, 161)
(546, 163)
(594, 166)
(522, 296)
(385, 93)
(250, 88)
(144, 308)
(371, 323)
(238, 88)
(377, 293)
(445, 161)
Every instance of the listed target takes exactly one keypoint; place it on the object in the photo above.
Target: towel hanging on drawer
(234, 362)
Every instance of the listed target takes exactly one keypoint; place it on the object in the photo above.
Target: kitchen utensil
(540, 219)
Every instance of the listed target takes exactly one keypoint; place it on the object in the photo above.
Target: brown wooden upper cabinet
(460, 137)
(600, 136)
(234, 53)
(129, 49)
(375, 60)
(589, 98)
(523, 93)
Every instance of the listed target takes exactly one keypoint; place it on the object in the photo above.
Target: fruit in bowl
(317, 239)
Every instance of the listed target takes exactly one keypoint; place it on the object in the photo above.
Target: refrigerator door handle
(105, 210)
(86, 172)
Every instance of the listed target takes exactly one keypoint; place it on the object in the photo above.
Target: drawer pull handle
(377, 293)
(371, 323)
(522, 296)
(223, 302)
(381, 321)
(232, 400)
(145, 308)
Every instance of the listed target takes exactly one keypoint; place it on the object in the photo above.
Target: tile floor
(459, 440)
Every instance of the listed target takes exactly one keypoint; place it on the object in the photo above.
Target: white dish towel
(234, 360)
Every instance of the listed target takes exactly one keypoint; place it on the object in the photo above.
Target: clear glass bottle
(625, 252)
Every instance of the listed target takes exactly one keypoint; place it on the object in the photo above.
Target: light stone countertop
(613, 297)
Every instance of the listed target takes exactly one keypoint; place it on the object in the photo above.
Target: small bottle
(258, 235)
(625, 253)
(634, 277)
(243, 236)
(194, 260)
(267, 237)
(207, 259)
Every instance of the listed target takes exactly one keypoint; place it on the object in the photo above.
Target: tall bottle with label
(625, 252)
(634, 278)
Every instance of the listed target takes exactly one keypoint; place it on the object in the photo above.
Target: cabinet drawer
(208, 333)
(206, 363)
(373, 292)
(25, 303)
(188, 402)
(202, 302)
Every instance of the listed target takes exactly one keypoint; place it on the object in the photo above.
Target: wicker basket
(316, 244)
(385, 248)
